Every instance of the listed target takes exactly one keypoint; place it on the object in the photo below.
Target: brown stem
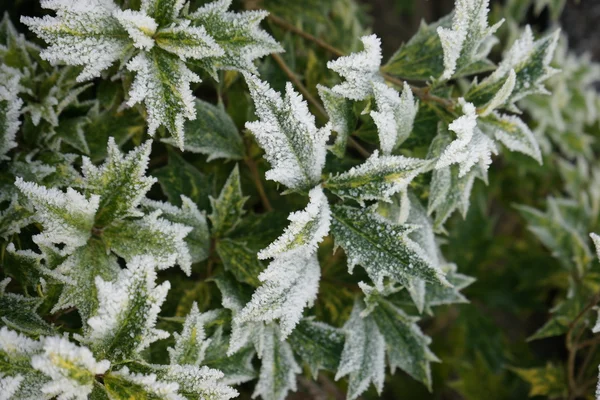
(258, 183)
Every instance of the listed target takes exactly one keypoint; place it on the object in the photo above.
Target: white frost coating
(471, 145)
(502, 96)
(67, 217)
(306, 230)
(176, 7)
(523, 140)
(10, 108)
(468, 39)
(197, 43)
(293, 145)
(71, 368)
(136, 283)
(9, 386)
(291, 282)
(96, 41)
(204, 382)
(596, 240)
(359, 69)
(395, 115)
(150, 383)
(17, 345)
(191, 343)
(139, 26)
(149, 88)
(363, 357)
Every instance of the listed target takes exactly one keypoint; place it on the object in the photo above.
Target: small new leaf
(228, 208)
(341, 117)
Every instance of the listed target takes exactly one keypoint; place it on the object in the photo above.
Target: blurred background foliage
(483, 344)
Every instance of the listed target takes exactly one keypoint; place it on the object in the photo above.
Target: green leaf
(15, 217)
(563, 314)
(318, 345)
(237, 368)
(181, 178)
(121, 183)
(383, 249)
(228, 208)
(124, 323)
(198, 240)
(191, 343)
(18, 312)
(512, 132)
(163, 11)
(212, 133)
(240, 260)
(378, 178)
(341, 116)
(407, 346)
(549, 381)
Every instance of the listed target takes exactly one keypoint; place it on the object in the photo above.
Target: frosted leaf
(188, 42)
(67, 218)
(598, 385)
(395, 115)
(236, 368)
(377, 178)
(140, 27)
(341, 117)
(436, 295)
(306, 230)
(120, 382)
(237, 34)
(10, 108)
(468, 40)
(128, 307)
(198, 240)
(9, 385)
(120, 182)
(191, 343)
(163, 11)
(196, 382)
(77, 274)
(596, 240)
(470, 147)
(363, 357)
(278, 367)
(14, 217)
(360, 70)
(162, 82)
(407, 346)
(82, 33)
(286, 131)
(151, 236)
(290, 283)
(381, 248)
(19, 312)
(228, 208)
(503, 94)
(16, 351)
(530, 60)
(511, 131)
(72, 368)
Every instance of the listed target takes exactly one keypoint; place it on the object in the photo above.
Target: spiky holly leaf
(123, 384)
(469, 40)
(79, 271)
(197, 382)
(363, 357)
(71, 368)
(198, 240)
(121, 182)
(341, 116)
(10, 108)
(550, 381)
(228, 208)
(153, 236)
(288, 134)
(290, 283)
(438, 295)
(382, 248)
(240, 260)
(529, 61)
(395, 115)
(67, 218)
(236, 368)
(25, 266)
(18, 312)
(407, 346)
(128, 307)
(318, 345)
(511, 131)
(15, 217)
(378, 178)
(82, 33)
(359, 69)
(212, 133)
(16, 351)
(471, 145)
(278, 367)
(306, 230)
(191, 343)
(237, 34)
